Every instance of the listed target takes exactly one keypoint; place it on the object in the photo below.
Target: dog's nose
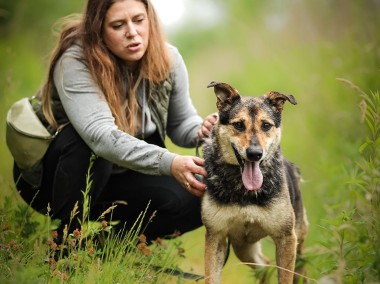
(254, 153)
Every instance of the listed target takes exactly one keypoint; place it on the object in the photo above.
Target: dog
(252, 191)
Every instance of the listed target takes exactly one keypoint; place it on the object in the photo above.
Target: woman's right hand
(184, 168)
(207, 125)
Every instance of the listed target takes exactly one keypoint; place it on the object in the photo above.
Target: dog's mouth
(252, 176)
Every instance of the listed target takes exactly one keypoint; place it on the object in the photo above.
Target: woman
(115, 88)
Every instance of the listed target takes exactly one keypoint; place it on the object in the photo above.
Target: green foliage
(94, 254)
(297, 47)
(352, 242)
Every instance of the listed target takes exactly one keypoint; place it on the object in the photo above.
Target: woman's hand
(184, 168)
(208, 123)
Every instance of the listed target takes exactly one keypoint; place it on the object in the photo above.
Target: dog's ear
(277, 100)
(225, 94)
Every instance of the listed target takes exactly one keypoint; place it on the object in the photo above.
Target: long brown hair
(104, 67)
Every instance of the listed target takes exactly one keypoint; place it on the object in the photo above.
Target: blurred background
(290, 46)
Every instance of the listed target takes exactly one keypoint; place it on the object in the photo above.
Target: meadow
(325, 53)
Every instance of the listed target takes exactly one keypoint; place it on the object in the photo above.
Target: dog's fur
(252, 191)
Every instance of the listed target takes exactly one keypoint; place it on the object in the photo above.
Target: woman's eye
(265, 126)
(117, 27)
(239, 126)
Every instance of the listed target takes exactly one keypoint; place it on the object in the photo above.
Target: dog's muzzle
(252, 177)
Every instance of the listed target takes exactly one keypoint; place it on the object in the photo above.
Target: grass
(29, 252)
(351, 242)
(325, 135)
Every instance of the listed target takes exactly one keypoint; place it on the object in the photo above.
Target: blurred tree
(23, 16)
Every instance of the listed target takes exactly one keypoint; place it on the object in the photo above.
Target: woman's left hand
(208, 123)
(185, 169)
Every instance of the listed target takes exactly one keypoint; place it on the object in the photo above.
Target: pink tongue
(252, 176)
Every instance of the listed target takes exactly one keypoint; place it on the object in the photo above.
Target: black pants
(65, 167)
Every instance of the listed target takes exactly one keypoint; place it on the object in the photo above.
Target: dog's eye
(239, 126)
(265, 126)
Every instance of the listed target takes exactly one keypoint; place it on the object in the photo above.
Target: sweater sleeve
(90, 115)
(183, 119)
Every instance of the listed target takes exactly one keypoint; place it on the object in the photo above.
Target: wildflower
(161, 243)
(52, 264)
(61, 275)
(146, 252)
(52, 244)
(104, 224)
(158, 241)
(12, 244)
(90, 250)
(141, 246)
(144, 249)
(142, 238)
(76, 234)
(64, 276)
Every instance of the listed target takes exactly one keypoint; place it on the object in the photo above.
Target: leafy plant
(353, 244)
(92, 254)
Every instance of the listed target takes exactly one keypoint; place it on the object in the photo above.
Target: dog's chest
(250, 222)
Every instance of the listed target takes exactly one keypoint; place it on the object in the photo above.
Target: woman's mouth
(133, 46)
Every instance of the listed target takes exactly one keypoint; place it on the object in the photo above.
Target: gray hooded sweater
(86, 108)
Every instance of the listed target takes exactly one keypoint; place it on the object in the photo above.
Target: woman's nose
(131, 31)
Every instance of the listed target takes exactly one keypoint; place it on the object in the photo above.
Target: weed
(92, 252)
(352, 242)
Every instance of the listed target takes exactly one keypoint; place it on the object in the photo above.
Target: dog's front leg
(286, 257)
(215, 252)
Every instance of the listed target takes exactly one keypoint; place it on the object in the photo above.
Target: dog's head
(249, 129)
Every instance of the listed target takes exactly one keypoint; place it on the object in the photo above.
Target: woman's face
(126, 31)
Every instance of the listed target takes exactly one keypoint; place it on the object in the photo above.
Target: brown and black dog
(252, 191)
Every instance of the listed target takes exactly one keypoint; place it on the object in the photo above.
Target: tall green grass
(317, 42)
(29, 252)
(352, 242)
